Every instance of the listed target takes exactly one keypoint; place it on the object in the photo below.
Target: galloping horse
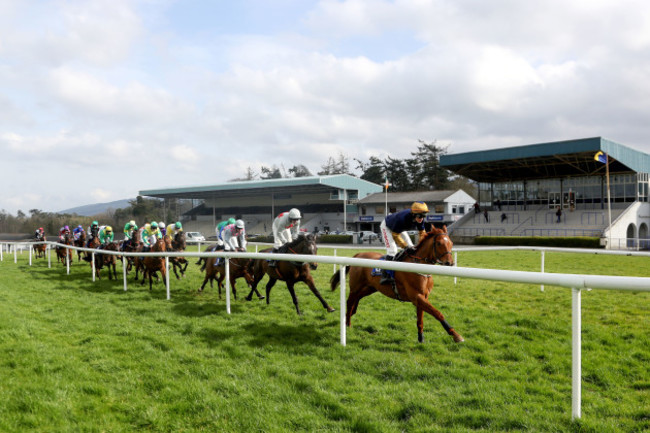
(434, 247)
(108, 261)
(178, 243)
(134, 245)
(63, 252)
(290, 272)
(94, 243)
(39, 250)
(238, 267)
(80, 242)
(151, 265)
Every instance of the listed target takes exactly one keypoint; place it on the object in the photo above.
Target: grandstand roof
(546, 160)
(408, 197)
(308, 184)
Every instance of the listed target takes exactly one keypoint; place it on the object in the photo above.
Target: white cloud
(89, 85)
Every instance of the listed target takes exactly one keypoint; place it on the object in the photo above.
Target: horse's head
(306, 244)
(437, 245)
(179, 241)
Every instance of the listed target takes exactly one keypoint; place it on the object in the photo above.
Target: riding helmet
(239, 224)
(419, 207)
(294, 214)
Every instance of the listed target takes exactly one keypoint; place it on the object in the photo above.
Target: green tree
(299, 171)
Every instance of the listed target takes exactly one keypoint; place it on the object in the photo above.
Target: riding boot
(273, 263)
(386, 277)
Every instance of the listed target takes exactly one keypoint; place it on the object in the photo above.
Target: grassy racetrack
(82, 356)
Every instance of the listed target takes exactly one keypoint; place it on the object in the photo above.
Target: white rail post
(167, 277)
(124, 271)
(67, 260)
(92, 266)
(2, 248)
(455, 264)
(334, 263)
(576, 359)
(227, 270)
(49, 256)
(30, 254)
(15, 253)
(343, 306)
(542, 286)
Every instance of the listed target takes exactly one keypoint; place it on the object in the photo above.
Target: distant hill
(97, 208)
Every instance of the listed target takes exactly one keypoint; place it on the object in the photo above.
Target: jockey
(393, 231)
(173, 229)
(106, 235)
(162, 228)
(220, 227)
(77, 231)
(234, 236)
(150, 235)
(65, 230)
(39, 234)
(129, 229)
(283, 226)
(93, 230)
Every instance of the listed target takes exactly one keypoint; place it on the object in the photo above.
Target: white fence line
(576, 282)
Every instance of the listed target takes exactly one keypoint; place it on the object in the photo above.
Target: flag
(601, 157)
(386, 184)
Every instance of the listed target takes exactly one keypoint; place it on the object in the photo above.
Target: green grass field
(78, 356)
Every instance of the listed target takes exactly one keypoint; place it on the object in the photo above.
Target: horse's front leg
(255, 279)
(309, 280)
(174, 266)
(293, 296)
(422, 303)
(269, 286)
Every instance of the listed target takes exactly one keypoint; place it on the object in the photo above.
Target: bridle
(437, 259)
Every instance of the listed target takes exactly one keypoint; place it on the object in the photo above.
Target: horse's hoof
(330, 310)
(457, 337)
(261, 297)
(420, 337)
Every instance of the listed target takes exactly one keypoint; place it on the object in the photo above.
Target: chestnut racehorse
(434, 248)
(39, 249)
(289, 272)
(156, 264)
(238, 267)
(178, 243)
(107, 260)
(62, 252)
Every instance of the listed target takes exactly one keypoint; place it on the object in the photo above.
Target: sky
(100, 99)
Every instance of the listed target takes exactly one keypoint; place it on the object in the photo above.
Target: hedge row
(540, 241)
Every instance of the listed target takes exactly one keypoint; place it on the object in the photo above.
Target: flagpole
(386, 185)
(609, 202)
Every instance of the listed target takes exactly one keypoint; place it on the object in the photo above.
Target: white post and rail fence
(575, 282)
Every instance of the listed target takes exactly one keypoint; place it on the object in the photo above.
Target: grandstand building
(523, 187)
(327, 203)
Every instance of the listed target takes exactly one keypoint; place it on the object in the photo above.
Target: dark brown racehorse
(39, 249)
(132, 246)
(107, 261)
(80, 242)
(152, 265)
(434, 247)
(290, 272)
(238, 267)
(178, 244)
(94, 243)
(62, 252)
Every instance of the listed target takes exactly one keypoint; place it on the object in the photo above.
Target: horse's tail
(336, 278)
